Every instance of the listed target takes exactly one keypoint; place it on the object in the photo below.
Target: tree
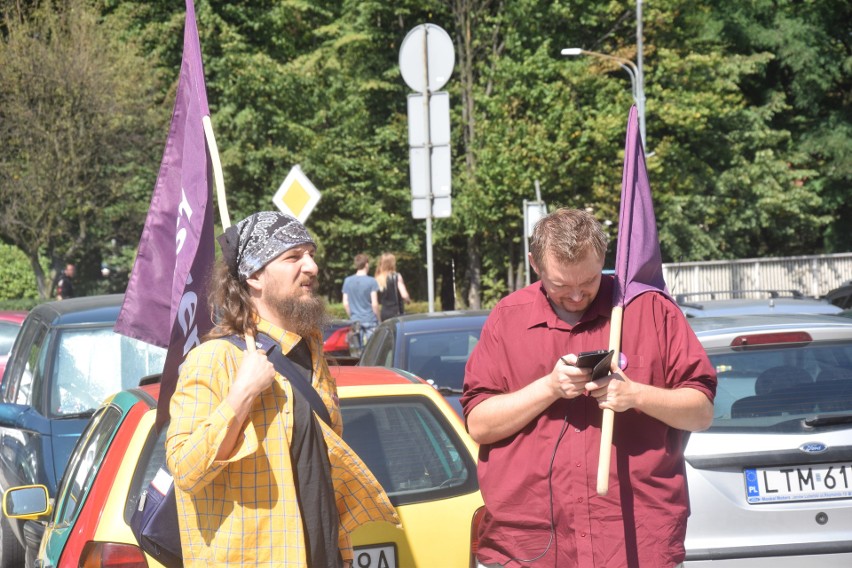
(77, 124)
(732, 122)
(747, 122)
(807, 83)
(524, 118)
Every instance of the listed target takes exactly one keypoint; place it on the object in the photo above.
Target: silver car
(770, 482)
(752, 302)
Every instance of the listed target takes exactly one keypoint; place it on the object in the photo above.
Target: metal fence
(812, 275)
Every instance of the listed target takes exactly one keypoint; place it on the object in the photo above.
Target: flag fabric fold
(638, 262)
(638, 265)
(165, 302)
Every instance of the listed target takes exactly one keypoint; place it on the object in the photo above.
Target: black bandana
(258, 239)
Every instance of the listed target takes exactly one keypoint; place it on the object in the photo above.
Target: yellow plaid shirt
(244, 510)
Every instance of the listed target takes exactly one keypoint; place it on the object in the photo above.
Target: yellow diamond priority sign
(297, 196)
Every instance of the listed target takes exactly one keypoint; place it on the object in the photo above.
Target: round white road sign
(426, 44)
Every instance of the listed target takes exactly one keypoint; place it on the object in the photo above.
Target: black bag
(155, 521)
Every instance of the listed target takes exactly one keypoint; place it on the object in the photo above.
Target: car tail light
(112, 555)
(337, 341)
(771, 339)
(474, 535)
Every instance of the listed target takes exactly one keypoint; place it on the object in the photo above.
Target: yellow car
(401, 426)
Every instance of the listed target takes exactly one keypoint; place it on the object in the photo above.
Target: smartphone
(591, 358)
(599, 361)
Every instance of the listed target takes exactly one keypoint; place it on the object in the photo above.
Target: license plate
(799, 483)
(383, 556)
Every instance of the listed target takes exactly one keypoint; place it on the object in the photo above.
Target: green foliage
(748, 127)
(336, 310)
(77, 120)
(17, 281)
(25, 304)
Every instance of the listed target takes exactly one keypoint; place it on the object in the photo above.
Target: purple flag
(166, 299)
(638, 263)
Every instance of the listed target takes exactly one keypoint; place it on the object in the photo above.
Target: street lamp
(636, 81)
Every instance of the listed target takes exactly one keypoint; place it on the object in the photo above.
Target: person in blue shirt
(361, 298)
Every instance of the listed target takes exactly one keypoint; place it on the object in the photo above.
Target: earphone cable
(550, 490)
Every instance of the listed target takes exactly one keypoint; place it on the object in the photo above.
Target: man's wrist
(550, 388)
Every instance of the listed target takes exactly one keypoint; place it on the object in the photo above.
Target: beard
(305, 315)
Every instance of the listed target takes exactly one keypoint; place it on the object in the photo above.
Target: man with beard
(260, 480)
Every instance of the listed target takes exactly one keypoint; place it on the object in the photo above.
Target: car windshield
(93, 363)
(441, 357)
(780, 388)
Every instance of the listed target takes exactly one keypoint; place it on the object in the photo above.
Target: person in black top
(65, 285)
(393, 295)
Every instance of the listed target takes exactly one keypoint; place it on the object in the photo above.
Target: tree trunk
(510, 274)
(464, 10)
(521, 280)
(474, 259)
(44, 291)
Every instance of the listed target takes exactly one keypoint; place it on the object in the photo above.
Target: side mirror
(28, 502)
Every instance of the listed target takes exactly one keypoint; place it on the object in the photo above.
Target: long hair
(232, 309)
(386, 267)
(569, 234)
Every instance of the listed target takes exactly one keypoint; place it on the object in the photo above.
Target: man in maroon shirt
(537, 417)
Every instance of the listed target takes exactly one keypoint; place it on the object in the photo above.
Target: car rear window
(441, 357)
(779, 386)
(410, 447)
(379, 349)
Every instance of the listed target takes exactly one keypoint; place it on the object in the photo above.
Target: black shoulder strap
(288, 370)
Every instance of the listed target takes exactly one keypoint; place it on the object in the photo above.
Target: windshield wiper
(448, 390)
(814, 421)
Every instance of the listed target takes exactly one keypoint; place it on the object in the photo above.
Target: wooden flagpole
(219, 181)
(218, 178)
(608, 418)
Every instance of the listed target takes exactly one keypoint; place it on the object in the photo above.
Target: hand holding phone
(599, 361)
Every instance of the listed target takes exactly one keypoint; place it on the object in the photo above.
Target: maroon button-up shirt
(642, 519)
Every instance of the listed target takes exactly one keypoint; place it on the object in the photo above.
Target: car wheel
(11, 551)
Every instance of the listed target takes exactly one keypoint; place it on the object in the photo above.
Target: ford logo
(813, 447)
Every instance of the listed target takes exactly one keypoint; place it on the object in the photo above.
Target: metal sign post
(430, 265)
(426, 60)
(533, 211)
